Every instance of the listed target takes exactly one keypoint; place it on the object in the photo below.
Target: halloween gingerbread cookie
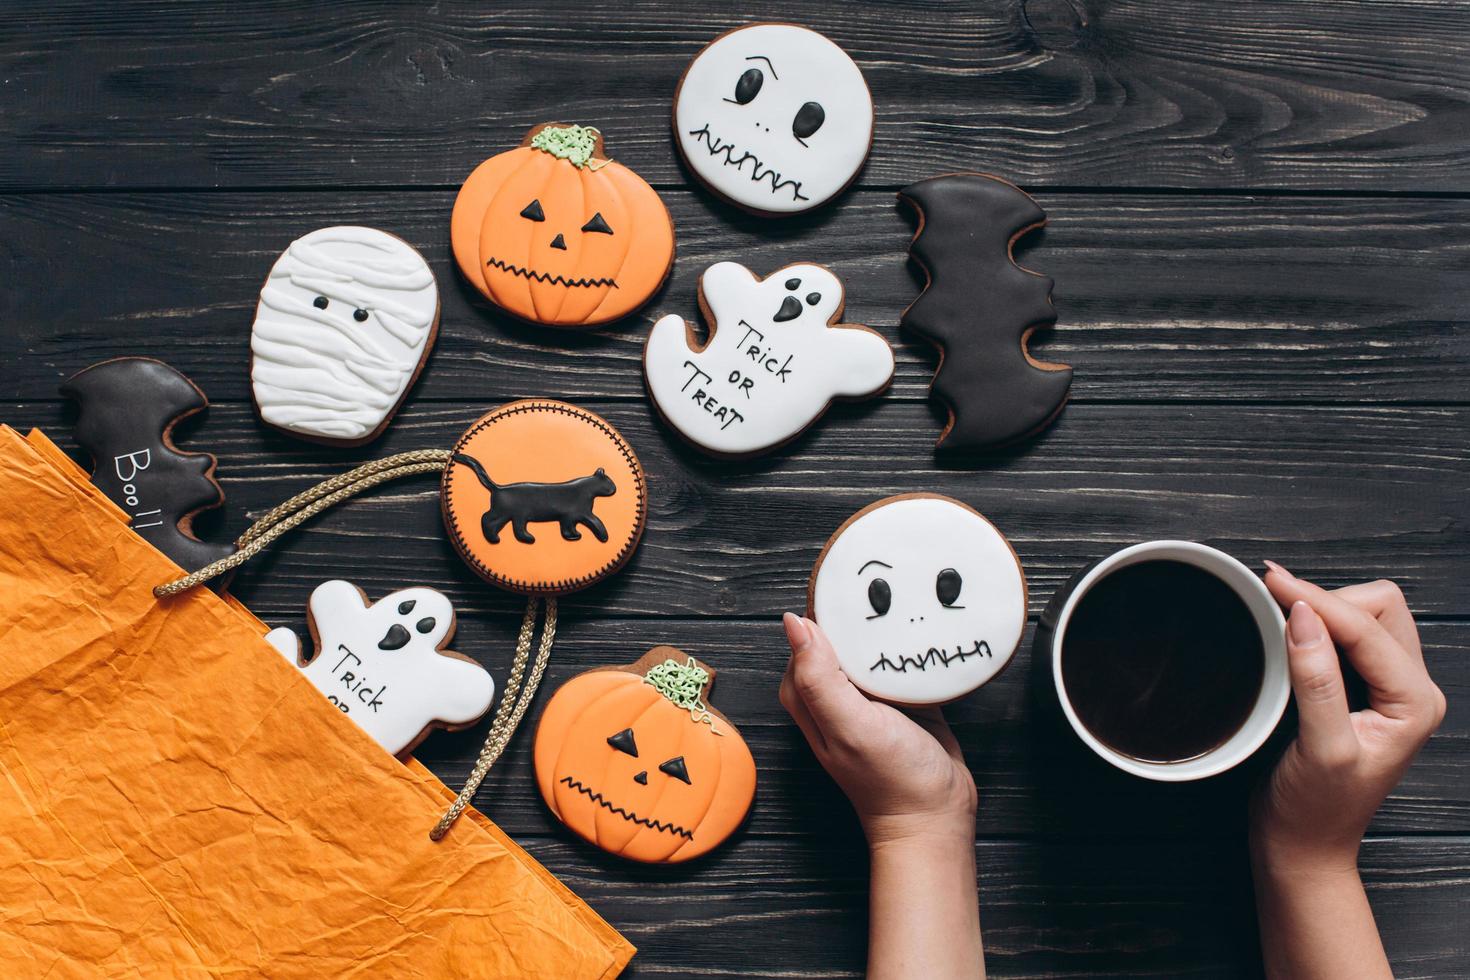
(634, 760)
(775, 359)
(980, 309)
(544, 498)
(383, 664)
(344, 325)
(554, 232)
(922, 598)
(129, 407)
(773, 118)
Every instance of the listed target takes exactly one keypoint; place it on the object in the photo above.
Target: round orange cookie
(555, 233)
(633, 760)
(543, 498)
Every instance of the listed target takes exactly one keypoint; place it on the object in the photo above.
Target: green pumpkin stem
(683, 684)
(574, 144)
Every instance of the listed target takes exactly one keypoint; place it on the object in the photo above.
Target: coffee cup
(1159, 643)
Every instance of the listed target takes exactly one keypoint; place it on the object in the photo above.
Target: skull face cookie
(383, 663)
(922, 598)
(774, 118)
(775, 359)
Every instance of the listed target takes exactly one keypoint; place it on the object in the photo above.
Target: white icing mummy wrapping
(346, 319)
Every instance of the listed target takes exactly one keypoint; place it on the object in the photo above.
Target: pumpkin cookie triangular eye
(623, 742)
(598, 224)
(675, 767)
(533, 211)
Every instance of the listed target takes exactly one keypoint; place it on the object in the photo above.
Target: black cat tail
(474, 464)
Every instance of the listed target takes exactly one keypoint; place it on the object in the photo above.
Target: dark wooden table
(1260, 233)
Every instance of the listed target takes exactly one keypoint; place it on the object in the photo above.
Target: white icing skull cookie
(344, 325)
(774, 118)
(383, 663)
(775, 359)
(922, 598)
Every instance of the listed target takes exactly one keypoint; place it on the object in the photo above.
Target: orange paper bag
(175, 799)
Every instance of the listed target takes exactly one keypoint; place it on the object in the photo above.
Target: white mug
(1275, 684)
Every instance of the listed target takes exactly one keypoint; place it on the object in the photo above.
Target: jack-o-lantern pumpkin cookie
(543, 498)
(554, 232)
(634, 760)
(922, 598)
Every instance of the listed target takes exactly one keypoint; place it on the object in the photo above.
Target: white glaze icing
(321, 372)
(393, 694)
(750, 152)
(920, 651)
(759, 380)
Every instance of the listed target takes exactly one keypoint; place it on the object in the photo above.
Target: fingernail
(797, 633)
(1304, 627)
(1278, 569)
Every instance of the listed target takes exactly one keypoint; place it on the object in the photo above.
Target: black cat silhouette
(519, 504)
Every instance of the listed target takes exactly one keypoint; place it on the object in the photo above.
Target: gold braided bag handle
(520, 690)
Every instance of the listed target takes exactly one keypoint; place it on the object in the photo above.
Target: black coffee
(1162, 661)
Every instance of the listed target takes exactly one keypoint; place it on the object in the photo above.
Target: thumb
(1326, 731)
(836, 707)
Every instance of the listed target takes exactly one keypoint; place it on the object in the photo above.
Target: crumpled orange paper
(176, 800)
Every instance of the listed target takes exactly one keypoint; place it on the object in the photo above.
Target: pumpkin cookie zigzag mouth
(718, 148)
(934, 657)
(670, 828)
(555, 280)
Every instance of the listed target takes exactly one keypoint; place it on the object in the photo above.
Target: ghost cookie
(554, 232)
(543, 498)
(775, 359)
(345, 323)
(922, 598)
(128, 409)
(634, 760)
(383, 664)
(774, 118)
(980, 309)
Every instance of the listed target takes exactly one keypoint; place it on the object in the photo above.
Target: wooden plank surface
(1344, 94)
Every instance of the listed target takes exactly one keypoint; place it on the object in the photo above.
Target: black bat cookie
(980, 308)
(129, 407)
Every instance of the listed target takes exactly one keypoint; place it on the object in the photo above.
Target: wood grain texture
(1356, 94)
(1160, 297)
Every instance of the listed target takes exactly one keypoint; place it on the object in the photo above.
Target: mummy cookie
(980, 309)
(554, 232)
(634, 760)
(343, 327)
(129, 407)
(774, 118)
(543, 498)
(922, 598)
(383, 664)
(776, 357)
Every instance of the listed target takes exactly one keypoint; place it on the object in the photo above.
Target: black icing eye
(359, 315)
(533, 212)
(793, 284)
(880, 597)
(425, 625)
(675, 767)
(947, 586)
(406, 606)
(623, 742)
(749, 85)
(809, 119)
(812, 299)
(598, 224)
(320, 302)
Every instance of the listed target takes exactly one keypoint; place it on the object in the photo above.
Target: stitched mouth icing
(760, 172)
(935, 657)
(555, 280)
(668, 828)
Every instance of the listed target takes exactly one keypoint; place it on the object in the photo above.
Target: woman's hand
(1313, 810)
(902, 771)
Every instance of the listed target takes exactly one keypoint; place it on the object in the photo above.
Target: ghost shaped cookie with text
(383, 664)
(922, 598)
(774, 118)
(345, 323)
(775, 359)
